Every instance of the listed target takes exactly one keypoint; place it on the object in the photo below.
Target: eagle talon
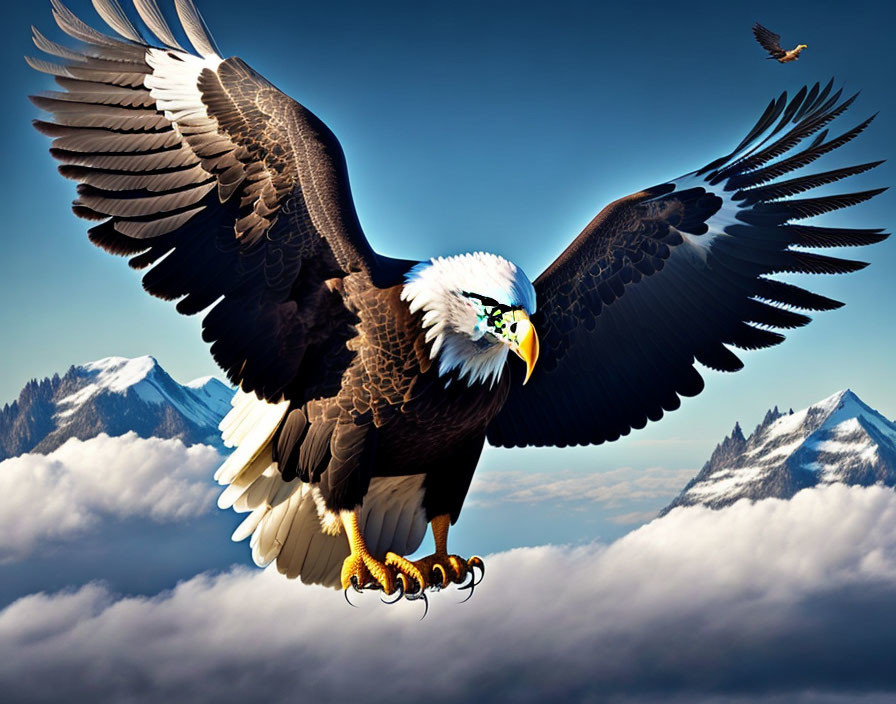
(360, 568)
(407, 571)
(409, 585)
(470, 585)
(460, 568)
(473, 563)
(399, 587)
(417, 597)
(476, 562)
(435, 571)
(444, 581)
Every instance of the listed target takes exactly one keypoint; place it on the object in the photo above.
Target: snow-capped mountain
(113, 396)
(839, 439)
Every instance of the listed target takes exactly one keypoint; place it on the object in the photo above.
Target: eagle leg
(360, 567)
(438, 570)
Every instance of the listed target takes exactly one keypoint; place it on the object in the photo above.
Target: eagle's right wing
(236, 194)
(682, 273)
(770, 41)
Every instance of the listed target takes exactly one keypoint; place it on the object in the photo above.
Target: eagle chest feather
(393, 415)
(418, 414)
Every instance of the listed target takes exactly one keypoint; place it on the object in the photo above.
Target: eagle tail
(288, 521)
(284, 521)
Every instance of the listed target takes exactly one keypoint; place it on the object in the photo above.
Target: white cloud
(71, 490)
(786, 599)
(609, 489)
(633, 518)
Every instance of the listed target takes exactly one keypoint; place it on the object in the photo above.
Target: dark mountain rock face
(113, 396)
(29, 419)
(839, 439)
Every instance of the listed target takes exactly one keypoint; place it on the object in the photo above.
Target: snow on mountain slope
(838, 439)
(113, 395)
(144, 377)
(212, 392)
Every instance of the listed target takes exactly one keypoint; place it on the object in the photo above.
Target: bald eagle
(368, 385)
(771, 42)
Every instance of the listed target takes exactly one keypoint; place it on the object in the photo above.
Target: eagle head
(476, 308)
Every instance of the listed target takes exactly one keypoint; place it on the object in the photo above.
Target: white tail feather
(245, 478)
(288, 521)
(250, 435)
(248, 526)
(324, 553)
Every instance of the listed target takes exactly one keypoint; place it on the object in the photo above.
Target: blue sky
(500, 126)
(469, 125)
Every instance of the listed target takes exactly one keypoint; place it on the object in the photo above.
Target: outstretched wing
(679, 273)
(770, 41)
(236, 194)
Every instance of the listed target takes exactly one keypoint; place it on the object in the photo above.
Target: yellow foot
(360, 569)
(436, 570)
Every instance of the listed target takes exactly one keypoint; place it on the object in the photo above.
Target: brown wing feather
(769, 41)
(674, 275)
(236, 195)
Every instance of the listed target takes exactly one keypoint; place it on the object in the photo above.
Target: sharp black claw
(477, 563)
(473, 564)
(399, 587)
(471, 586)
(354, 582)
(417, 597)
(347, 600)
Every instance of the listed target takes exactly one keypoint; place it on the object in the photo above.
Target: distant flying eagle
(771, 42)
(368, 385)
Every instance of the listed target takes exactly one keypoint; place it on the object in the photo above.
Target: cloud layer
(69, 492)
(789, 600)
(610, 489)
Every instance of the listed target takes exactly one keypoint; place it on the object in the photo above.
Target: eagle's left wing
(233, 196)
(678, 274)
(769, 41)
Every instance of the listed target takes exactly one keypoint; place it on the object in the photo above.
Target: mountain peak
(112, 395)
(771, 416)
(203, 381)
(120, 373)
(837, 439)
(834, 400)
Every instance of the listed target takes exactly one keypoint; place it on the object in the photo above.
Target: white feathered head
(475, 307)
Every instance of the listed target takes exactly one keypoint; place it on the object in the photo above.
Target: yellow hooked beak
(526, 346)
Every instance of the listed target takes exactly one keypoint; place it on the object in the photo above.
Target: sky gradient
(503, 126)
(499, 126)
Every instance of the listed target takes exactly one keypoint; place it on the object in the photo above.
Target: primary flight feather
(369, 385)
